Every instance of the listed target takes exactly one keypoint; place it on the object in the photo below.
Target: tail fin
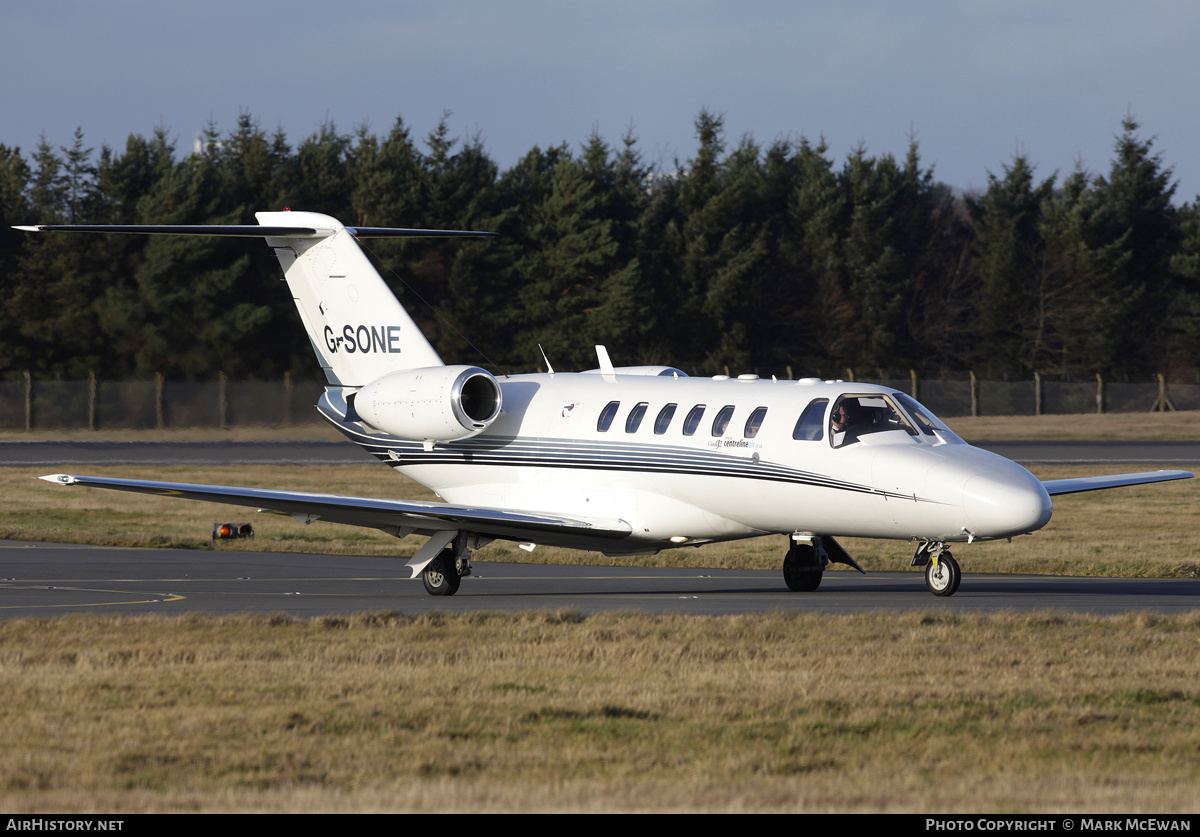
(357, 327)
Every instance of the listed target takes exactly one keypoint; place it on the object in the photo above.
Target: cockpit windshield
(930, 424)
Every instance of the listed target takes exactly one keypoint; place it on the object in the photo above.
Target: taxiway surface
(38, 579)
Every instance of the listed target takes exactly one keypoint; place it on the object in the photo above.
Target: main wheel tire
(801, 570)
(943, 578)
(440, 577)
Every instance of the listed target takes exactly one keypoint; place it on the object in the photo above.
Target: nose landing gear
(942, 573)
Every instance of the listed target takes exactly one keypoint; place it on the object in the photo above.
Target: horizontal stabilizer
(359, 331)
(253, 230)
(1078, 484)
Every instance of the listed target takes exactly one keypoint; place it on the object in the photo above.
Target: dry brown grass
(556, 711)
(1127, 426)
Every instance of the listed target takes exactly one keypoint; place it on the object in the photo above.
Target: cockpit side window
(855, 416)
(811, 425)
(607, 415)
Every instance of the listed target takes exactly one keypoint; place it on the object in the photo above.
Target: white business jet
(623, 460)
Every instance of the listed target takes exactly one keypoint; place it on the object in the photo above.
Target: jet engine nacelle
(433, 404)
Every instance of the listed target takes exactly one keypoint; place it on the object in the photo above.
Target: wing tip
(59, 479)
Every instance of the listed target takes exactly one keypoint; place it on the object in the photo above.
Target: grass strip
(554, 711)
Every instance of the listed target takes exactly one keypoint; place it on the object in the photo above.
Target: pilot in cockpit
(845, 422)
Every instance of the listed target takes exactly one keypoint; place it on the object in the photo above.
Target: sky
(973, 82)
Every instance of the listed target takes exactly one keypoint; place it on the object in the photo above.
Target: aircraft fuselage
(741, 471)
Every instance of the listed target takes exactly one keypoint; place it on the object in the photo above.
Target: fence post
(91, 399)
(912, 375)
(1099, 394)
(222, 402)
(28, 400)
(974, 396)
(849, 374)
(789, 370)
(288, 389)
(1164, 400)
(1037, 394)
(158, 401)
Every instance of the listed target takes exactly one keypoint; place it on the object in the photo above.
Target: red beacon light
(229, 531)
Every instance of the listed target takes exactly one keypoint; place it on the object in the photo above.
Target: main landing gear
(802, 567)
(806, 559)
(942, 573)
(445, 573)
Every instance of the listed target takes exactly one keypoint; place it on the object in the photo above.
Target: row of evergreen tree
(743, 257)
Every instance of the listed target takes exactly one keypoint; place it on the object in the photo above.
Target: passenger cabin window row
(691, 422)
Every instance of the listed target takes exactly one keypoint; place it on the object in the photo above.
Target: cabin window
(664, 419)
(693, 419)
(635, 417)
(721, 422)
(754, 422)
(607, 415)
(811, 425)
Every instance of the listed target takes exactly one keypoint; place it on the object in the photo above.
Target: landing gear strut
(444, 574)
(807, 557)
(942, 573)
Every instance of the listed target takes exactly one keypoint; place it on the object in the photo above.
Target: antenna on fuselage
(606, 366)
(549, 368)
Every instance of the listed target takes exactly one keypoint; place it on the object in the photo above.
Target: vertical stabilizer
(359, 330)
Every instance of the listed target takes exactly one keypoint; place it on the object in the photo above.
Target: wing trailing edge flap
(1078, 484)
(398, 517)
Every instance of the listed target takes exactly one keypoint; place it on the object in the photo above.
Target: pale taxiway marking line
(164, 598)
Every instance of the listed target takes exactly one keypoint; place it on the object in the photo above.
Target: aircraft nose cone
(1010, 505)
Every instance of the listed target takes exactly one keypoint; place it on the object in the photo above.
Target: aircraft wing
(1078, 484)
(413, 516)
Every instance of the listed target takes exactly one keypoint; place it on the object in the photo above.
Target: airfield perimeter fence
(35, 404)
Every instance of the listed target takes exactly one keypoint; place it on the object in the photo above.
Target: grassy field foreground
(556, 711)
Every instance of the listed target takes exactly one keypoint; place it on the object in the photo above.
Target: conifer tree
(1007, 251)
(1135, 208)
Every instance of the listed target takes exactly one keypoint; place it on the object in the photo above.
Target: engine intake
(434, 404)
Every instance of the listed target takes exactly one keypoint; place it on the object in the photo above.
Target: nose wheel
(942, 574)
